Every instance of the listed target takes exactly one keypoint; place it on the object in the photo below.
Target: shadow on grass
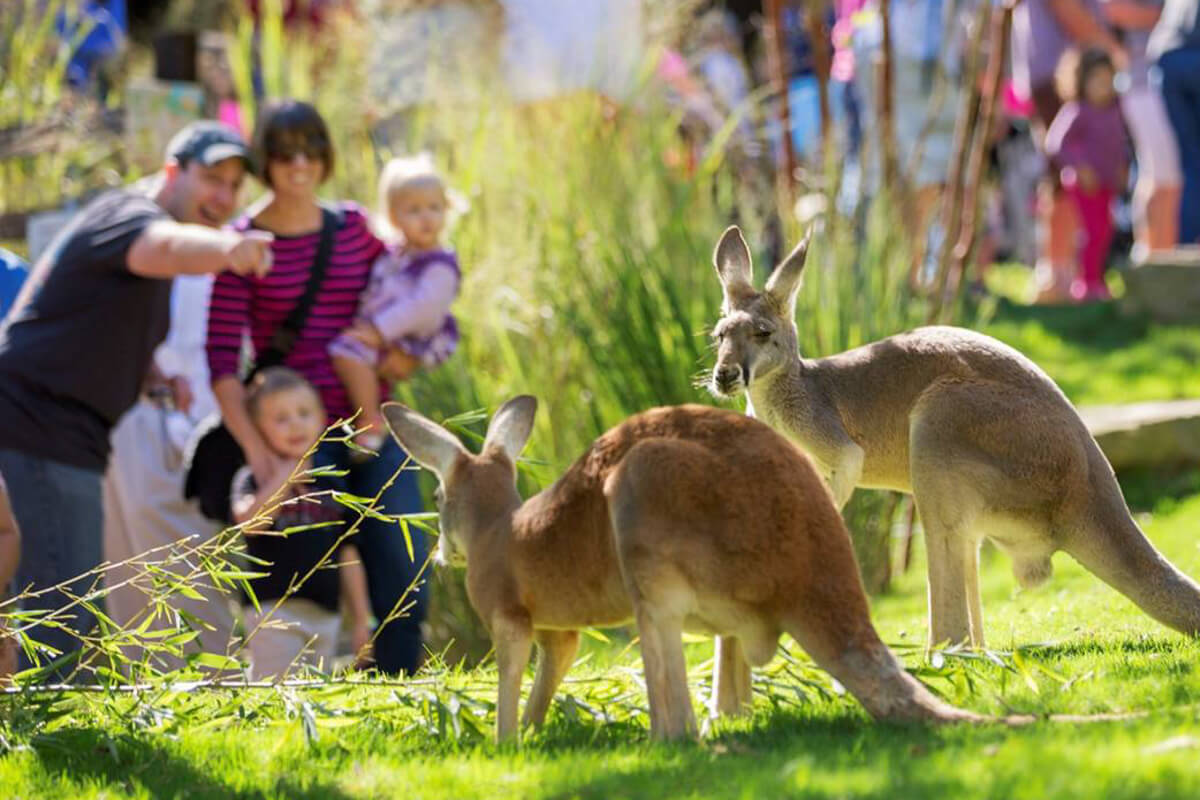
(788, 755)
(1092, 647)
(784, 756)
(125, 763)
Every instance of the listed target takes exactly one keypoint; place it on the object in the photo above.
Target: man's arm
(1131, 15)
(231, 398)
(166, 249)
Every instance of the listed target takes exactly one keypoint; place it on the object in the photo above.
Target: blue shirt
(12, 276)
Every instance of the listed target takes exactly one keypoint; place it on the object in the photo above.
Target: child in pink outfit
(1087, 142)
(406, 304)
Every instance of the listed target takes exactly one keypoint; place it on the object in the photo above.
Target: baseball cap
(208, 142)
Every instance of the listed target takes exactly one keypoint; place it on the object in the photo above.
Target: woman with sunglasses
(293, 155)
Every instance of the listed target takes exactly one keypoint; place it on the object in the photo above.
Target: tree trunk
(964, 250)
(964, 132)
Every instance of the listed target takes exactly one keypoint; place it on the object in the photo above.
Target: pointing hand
(251, 255)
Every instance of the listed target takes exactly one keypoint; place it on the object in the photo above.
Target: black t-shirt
(77, 344)
(294, 554)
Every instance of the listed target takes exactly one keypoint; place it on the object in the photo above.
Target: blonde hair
(402, 175)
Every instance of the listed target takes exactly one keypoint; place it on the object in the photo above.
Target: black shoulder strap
(285, 335)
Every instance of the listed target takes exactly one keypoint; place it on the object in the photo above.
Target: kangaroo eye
(762, 336)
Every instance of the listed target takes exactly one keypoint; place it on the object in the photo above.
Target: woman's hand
(366, 333)
(266, 466)
(397, 365)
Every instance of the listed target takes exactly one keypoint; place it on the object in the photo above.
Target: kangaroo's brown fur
(981, 437)
(677, 519)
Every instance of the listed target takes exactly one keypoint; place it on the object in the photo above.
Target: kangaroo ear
(430, 445)
(784, 282)
(732, 260)
(511, 426)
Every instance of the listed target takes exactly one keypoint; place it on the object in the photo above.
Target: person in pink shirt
(293, 155)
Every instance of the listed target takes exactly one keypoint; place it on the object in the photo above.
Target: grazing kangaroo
(676, 518)
(977, 433)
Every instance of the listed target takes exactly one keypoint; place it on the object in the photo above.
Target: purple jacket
(1086, 136)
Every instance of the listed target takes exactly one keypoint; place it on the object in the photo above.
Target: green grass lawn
(1071, 646)
(1097, 353)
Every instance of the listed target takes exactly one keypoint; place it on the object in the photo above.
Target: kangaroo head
(756, 334)
(474, 491)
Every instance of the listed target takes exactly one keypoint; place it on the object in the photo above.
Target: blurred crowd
(1092, 156)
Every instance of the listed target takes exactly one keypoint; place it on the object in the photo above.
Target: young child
(1087, 143)
(406, 304)
(290, 417)
(10, 554)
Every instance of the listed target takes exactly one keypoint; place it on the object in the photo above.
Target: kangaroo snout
(728, 379)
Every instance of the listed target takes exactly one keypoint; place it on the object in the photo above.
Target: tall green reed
(53, 143)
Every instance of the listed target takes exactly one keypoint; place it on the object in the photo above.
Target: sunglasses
(314, 149)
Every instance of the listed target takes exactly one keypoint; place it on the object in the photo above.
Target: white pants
(144, 509)
(1153, 139)
(300, 632)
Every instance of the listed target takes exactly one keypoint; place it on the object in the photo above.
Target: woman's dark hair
(1075, 67)
(286, 127)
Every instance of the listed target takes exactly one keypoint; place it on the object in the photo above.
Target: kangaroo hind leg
(947, 514)
(556, 651)
(732, 690)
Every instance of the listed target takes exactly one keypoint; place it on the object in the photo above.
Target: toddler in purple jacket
(406, 304)
(1088, 144)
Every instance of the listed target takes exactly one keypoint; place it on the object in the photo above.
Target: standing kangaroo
(677, 518)
(977, 433)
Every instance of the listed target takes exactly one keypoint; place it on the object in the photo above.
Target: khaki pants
(144, 509)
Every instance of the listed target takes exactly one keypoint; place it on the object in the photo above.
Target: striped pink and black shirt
(261, 304)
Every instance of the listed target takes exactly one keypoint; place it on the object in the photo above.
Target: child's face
(291, 420)
(1098, 88)
(419, 212)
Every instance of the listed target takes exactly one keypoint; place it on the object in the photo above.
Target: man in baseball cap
(80, 339)
(207, 142)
